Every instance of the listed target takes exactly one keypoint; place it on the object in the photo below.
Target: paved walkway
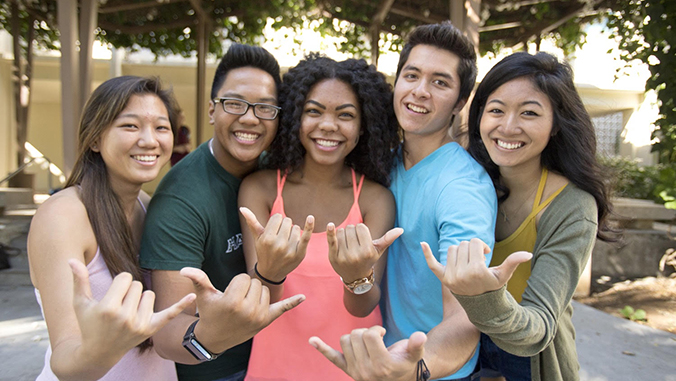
(609, 348)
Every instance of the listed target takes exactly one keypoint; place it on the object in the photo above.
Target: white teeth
(145, 158)
(326, 143)
(417, 109)
(249, 137)
(506, 145)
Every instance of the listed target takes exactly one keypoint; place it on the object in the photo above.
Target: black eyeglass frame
(222, 100)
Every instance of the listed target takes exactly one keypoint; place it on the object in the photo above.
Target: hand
(123, 319)
(280, 246)
(366, 358)
(353, 253)
(234, 316)
(466, 272)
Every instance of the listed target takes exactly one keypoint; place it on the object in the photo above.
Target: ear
(212, 108)
(459, 105)
(95, 146)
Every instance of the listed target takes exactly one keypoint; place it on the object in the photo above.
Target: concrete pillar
(70, 92)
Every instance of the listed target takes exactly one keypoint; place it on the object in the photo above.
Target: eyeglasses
(237, 106)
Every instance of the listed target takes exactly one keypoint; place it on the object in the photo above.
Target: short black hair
(238, 56)
(447, 37)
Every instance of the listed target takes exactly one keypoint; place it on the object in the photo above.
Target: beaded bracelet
(266, 280)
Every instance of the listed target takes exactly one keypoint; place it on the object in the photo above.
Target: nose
(148, 137)
(510, 124)
(421, 90)
(249, 118)
(328, 124)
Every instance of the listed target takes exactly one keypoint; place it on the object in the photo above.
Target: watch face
(362, 288)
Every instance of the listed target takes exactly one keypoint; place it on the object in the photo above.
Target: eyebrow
(530, 102)
(346, 105)
(436, 73)
(136, 116)
(240, 96)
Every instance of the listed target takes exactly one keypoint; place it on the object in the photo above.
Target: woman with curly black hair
(329, 165)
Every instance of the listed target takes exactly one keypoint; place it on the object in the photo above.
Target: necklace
(504, 212)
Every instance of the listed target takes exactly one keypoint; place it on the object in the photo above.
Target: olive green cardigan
(541, 326)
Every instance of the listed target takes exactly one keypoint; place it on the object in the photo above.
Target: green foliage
(632, 180)
(628, 312)
(43, 17)
(645, 29)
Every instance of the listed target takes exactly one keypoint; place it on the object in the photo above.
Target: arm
(464, 209)
(275, 244)
(528, 328)
(377, 205)
(88, 337)
(174, 238)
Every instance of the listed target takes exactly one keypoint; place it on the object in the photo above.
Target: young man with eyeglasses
(193, 222)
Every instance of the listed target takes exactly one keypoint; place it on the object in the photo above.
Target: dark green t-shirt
(193, 221)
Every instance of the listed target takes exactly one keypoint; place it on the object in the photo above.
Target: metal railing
(41, 160)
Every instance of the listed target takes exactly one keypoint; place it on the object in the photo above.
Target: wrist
(198, 343)
(266, 279)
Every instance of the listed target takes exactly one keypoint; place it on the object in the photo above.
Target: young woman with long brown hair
(83, 241)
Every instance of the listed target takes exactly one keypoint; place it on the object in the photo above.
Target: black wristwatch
(195, 348)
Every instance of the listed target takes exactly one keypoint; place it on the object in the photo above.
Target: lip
(326, 144)
(146, 159)
(416, 109)
(246, 137)
(507, 145)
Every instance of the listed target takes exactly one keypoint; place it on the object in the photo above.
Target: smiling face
(330, 122)
(516, 124)
(426, 92)
(138, 142)
(240, 139)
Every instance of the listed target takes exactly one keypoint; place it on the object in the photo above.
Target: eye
(346, 115)
(530, 113)
(163, 128)
(410, 76)
(128, 125)
(312, 111)
(440, 82)
(493, 111)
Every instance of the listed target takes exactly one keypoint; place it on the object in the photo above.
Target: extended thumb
(416, 346)
(505, 271)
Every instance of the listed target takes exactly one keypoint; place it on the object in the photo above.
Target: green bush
(629, 179)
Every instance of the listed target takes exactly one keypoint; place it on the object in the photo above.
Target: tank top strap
(281, 180)
(538, 206)
(541, 188)
(356, 188)
(142, 206)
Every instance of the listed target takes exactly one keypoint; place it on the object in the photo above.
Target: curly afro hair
(374, 154)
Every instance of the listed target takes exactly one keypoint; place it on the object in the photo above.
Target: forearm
(361, 305)
(450, 345)
(71, 361)
(168, 342)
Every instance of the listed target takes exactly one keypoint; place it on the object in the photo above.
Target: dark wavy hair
(447, 37)
(238, 56)
(571, 150)
(373, 156)
(109, 223)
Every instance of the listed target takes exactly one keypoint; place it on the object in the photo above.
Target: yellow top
(523, 239)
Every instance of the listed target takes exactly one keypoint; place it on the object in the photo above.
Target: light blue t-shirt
(444, 199)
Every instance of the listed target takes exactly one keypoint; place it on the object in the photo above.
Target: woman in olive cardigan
(529, 129)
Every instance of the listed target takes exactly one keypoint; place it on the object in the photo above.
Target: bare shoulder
(554, 182)
(374, 195)
(62, 208)
(260, 185)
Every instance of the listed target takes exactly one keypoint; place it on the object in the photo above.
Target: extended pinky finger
(437, 268)
(331, 354)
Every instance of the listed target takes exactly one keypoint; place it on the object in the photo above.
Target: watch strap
(370, 279)
(192, 345)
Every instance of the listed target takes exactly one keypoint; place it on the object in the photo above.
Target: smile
(145, 158)
(326, 143)
(246, 137)
(414, 108)
(510, 146)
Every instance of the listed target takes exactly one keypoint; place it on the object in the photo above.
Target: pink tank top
(134, 365)
(281, 351)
